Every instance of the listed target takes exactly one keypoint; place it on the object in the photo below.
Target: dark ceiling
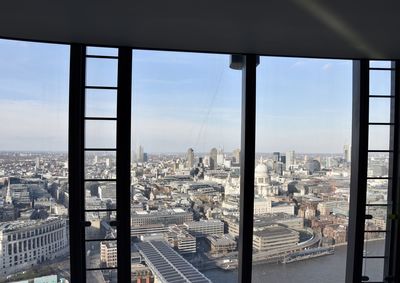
(315, 28)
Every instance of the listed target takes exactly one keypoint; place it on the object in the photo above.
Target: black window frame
(248, 65)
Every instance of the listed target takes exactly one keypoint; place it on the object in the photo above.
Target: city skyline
(316, 102)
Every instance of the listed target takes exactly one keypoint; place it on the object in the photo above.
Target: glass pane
(100, 134)
(102, 225)
(380, 64)
(186, 131)
(379, 137)
(377, 191)
(101, 103)
(102, 51)
(373, 268)
(378, 221)
(302, 173)
(100, 165)
(379, 110)
(100, 254)
(378, 164)
(101, 72)
(101, 276)
(34, 86)
(380, 82)
(374, 247)
(100, 195)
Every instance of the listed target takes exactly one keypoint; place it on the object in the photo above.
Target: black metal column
(247, 160)
(392, 247)
(124, 163)
(359, 169)
(76, 162)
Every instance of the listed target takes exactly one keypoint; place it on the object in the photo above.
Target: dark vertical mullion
(359, 168)
(124, 163)
(76, 162)
(392, 249)
(247, 161)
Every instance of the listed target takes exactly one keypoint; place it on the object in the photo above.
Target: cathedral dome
(261, 171)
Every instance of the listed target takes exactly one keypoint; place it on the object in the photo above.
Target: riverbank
(326, 269)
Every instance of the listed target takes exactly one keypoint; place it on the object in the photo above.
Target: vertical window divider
(123, 163)
(359, 169)
(247, 166)
(76, 161)
(392, 245)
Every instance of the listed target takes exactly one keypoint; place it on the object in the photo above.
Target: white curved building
(25, 243)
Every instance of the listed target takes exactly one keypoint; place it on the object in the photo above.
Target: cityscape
(183, 204)
(185, 168)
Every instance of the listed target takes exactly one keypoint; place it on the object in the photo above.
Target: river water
(325, 269)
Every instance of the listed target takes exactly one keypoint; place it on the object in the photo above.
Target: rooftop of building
(275, 231)
(23, 224)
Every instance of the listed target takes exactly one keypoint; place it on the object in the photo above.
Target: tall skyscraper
(236, 155)
(213, 158)
(220, 157)
(139, 154)
(190, 158)
(290, 159)
(347, 153)
(276, 156)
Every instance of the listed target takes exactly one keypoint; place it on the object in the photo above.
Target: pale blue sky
(180, 100)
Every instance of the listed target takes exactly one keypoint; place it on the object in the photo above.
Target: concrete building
(108, 253)
(203, 228)
(275, 238)
(347, 153)
(190, 158)
(180, 239)
(166, 217)
(290, 160)
(26, 243)
(221, 243)
(213, 158)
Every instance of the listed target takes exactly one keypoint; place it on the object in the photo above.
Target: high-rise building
(347, 153)
(220, 157)
(190, 158)
(290, 159)
(236, 155)
(213, 158)
(276, 156)
(139, 154)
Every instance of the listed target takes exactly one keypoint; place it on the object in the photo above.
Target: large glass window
(34, 233)
(302, 174)
(186, 123)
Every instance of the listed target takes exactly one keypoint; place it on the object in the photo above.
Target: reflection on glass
(185, 169)
(34, 198)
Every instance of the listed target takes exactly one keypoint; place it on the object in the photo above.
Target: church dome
(261, 171)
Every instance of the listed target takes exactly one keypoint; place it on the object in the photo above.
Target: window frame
(248, 65)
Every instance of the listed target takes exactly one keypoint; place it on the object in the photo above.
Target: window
(185, 159)
(33, 160)
(185, 150)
